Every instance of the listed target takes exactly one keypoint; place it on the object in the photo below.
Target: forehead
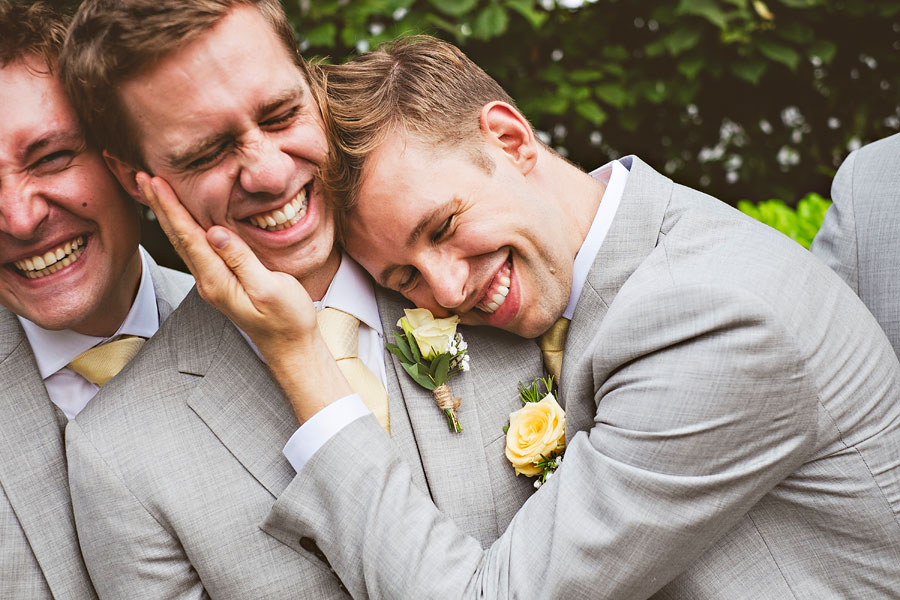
(215, 80)
(34, 105)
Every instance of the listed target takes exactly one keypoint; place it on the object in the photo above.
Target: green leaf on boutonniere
(441, 368)
(403, 346)
(414, 347)
(420, 378)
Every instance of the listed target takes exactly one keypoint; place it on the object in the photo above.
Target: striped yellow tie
(551, 344)
(340, 331)
(101, 363)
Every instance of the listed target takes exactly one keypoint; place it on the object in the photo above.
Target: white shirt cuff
(323, 426)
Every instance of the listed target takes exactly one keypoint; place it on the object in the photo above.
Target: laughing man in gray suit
(859, 236)
(732, 408)
(174, 473)
(71, 277)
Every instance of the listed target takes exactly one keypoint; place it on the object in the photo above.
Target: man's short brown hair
(30, 30)
(112, 41)
(418, 86)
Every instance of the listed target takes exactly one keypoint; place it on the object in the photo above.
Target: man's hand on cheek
(272, 308)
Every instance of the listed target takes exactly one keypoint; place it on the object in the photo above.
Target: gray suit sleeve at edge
(836, 243)
(626, 513)
(127, 552)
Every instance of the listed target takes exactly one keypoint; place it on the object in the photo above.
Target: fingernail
(219, 238)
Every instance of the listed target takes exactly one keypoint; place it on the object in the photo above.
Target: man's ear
(125, 173)
(506, 128)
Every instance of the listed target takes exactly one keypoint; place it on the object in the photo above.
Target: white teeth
(497, 293)
(284, 217)
(51, 261)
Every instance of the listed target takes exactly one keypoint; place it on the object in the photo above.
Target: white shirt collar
(353, 292)
(53, 350)
(614, 175)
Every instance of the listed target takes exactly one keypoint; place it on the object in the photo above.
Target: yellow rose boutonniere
(536, 434)
(431, 352)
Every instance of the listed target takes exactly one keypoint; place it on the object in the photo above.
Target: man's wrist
(309, 376)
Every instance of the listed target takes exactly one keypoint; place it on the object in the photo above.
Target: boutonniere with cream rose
(431, 352)
(536, 434)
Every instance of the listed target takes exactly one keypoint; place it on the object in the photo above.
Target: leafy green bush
(741, 98)
(801, 225)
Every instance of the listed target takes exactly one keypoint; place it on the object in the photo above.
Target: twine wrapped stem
(447, 403)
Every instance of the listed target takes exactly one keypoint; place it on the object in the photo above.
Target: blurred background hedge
(745, 99)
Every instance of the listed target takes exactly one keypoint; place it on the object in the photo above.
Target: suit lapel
(457, 469)
(236, 397)
(33, 467)
(170, 288)
(634, 233)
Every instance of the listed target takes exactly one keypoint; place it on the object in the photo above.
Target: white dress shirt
(334, 417)
(54, 350)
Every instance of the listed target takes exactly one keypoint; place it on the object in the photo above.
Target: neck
(316, 284)
(575, 194)
(111, 312)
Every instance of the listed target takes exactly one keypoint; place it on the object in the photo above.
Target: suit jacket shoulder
(858, 239)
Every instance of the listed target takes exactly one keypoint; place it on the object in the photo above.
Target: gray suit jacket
(859, 238)
(39, 554)
(175, 468)
(734, 432)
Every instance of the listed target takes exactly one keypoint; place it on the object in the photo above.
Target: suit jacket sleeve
(836, 244)
(128, 553)
(702, 406)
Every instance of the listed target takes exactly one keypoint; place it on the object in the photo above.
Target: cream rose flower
(432, 335)
(538, 428)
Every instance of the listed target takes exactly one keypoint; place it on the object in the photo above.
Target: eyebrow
(179, 159)
(424, 223)
(51, 139)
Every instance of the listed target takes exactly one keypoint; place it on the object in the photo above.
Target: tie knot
(554, 339)
(101, 363)
(340, 331)
(552, 344)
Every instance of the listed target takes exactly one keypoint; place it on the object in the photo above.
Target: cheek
(206, 198)
(307, 140)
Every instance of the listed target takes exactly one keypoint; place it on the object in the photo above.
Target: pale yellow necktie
(340, 331)
(101, 363)
(551, 344)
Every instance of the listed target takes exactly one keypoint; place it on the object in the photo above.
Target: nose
(265, 169)
(447, 279)
(22, 209)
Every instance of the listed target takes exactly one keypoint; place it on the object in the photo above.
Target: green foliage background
(746, 99)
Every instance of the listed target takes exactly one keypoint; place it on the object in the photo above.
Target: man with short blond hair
(732, 410)
(72, 278)
(174, 473)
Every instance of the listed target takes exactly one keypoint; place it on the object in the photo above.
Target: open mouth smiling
(497, 291)
(41, 265)
(284, 217)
